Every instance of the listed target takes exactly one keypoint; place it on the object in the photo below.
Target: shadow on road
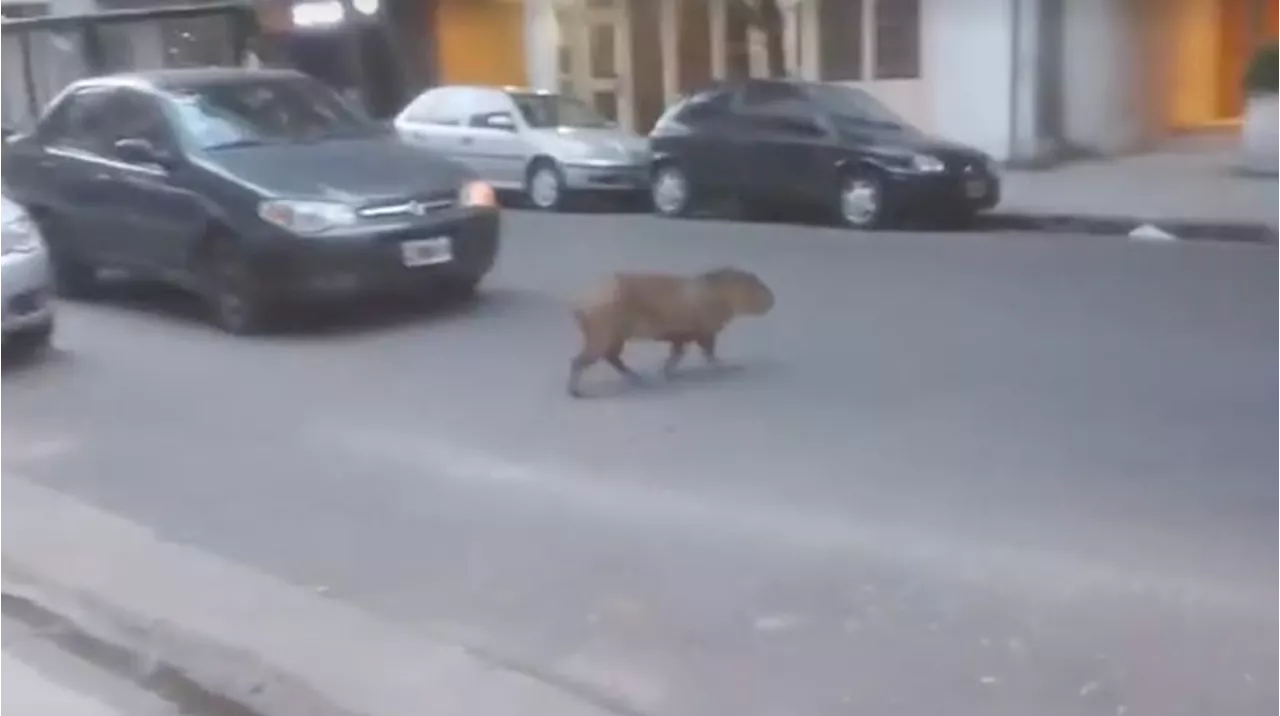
(324, 319)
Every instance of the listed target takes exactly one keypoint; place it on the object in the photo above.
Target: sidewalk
(28, 693)
(1189, 189)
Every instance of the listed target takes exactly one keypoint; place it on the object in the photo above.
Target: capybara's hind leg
(614, 358)
(673, 360)
(580, 363)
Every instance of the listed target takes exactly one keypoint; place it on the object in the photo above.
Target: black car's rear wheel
(235, 299)
(861, 200)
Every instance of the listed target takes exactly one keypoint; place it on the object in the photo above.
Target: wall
(968, 72)
(480, 42)
(1106, 78)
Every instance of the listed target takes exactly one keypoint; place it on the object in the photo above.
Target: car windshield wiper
(238, 143)
(868, 122)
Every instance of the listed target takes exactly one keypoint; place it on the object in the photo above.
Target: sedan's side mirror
(140, 151)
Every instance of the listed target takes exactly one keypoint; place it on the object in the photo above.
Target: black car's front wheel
(670, 190)
(236, 304)
(861, 201)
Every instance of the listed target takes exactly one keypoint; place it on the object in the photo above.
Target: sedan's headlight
(20, 236)
(306, 217)
(927, 164)
(477, 193)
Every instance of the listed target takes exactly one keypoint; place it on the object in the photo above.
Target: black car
(810, 143)
(255, 188)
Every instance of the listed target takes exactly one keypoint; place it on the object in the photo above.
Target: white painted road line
(28, 693)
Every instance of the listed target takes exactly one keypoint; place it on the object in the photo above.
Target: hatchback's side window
(704, 108)
(438, 106)
(781, 109)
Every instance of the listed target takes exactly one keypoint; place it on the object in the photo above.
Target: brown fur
(661, 307)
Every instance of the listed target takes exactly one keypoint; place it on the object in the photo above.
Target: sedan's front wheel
(235, 301)
(861, 201)
(546, 186)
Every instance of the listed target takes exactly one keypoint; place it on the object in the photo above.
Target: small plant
(1261, 77)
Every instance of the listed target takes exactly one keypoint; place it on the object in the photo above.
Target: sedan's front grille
(409, 206)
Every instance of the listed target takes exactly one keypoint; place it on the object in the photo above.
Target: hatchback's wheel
(235, 300)
(670, 190)
(545, 186)
(862, 201)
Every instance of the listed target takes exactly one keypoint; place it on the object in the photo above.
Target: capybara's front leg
(708, 345)
(614, 358)
(580, 363)
(673, 360)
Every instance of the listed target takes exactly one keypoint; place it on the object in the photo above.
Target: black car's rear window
(230, 114)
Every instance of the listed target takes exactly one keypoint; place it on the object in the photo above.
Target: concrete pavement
(28, 693)
(979, 474)
(1190, 189)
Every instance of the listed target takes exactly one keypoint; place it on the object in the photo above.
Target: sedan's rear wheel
(73, 277)
(861, 201)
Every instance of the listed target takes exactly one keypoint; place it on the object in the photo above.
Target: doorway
(594, 56)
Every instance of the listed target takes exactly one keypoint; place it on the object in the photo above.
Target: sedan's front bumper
(606, 177)
(370, 260)
(27, 291)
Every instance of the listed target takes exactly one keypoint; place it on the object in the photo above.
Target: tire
(32, 341)
(460, 289)
(545, 186)
(235, 300)
(860, 201)
(73, 277)
(670, 191)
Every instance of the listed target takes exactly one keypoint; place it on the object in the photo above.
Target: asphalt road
(955, 474)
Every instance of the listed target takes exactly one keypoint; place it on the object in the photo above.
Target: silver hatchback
(544, 144)
(26, 281)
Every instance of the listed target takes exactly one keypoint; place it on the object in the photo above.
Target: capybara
(662, 307)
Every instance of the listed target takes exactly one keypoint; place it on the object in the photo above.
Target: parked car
(817, 144)
(25, 282)
(546, 145)
(254, 188)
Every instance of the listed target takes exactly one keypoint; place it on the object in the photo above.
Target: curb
(250, 638)
(1177, 229)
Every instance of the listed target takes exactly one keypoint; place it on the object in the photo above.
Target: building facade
(1025, 80)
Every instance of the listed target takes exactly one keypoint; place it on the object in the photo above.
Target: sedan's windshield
(265, 112)
(856, 107)
(547, 111)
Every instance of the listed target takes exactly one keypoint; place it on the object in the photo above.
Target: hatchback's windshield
(856, 107)
(543, 111)
(265, 112)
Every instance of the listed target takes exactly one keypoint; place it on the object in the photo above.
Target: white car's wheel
(545, 186)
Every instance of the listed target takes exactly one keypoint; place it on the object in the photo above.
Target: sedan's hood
(350, 170)
(568, 143)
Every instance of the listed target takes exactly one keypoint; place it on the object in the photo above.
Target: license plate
(975, 188)
(425, 252)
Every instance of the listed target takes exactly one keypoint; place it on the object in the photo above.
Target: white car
(544, 144)
(26, 282)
